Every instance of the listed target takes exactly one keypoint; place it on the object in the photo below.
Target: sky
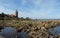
(35, 9)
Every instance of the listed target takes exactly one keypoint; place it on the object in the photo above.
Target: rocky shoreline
(35, 29)
(35, 32)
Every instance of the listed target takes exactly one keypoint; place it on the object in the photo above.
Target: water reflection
(9, 32)
(56, 30)
(22, 35)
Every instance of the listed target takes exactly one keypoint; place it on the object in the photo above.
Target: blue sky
(36, 9)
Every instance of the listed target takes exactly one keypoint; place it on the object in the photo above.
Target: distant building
(14, 15)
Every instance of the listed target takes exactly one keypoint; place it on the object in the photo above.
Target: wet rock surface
(35, 32)
(40, 29)
(27, 31)
(38, 32)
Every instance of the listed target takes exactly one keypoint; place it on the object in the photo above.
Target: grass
(38, 23)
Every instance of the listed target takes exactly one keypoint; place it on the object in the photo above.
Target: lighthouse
(16, 14)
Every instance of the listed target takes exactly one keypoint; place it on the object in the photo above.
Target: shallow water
(9, 32)
(56, 30)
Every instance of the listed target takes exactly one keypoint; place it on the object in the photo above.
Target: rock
(50, 36)
(58, 36)
(2, 37)
(22, 35)
(1, 28)
(43, 28)
(44, 34)
(36, 29)
(39, 34)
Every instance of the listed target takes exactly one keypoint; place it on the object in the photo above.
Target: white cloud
(7, 11)
(45, 8)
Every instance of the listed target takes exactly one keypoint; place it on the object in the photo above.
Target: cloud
(5, 10)
(7, 6)
(32, 8)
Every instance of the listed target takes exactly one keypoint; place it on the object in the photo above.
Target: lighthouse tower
(16, 14)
